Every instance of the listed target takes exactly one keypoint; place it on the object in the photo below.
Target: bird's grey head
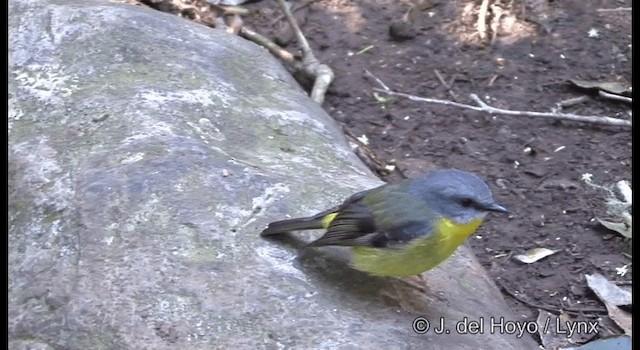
(458, 195)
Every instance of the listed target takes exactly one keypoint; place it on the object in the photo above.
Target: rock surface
(146, 153)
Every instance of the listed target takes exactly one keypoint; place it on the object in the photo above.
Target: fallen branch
(229, 18)
(483, 107)
(311, 67)
(268, 44)
(482, 20)
(297, 8)
(497, 13)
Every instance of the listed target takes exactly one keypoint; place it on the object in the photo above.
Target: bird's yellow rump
(405, 228)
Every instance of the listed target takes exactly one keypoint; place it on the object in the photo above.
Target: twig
(497, 13)
(482, 18)
(369, 157)
(310, 68)
(448, 86)
(492, 80)
(297, 8)
(304, 44)
(439, 76)
(369, 74)
(229, 10)
(367, 48)
(366, 154)
(321, 73)
(453, 79)
(572, 101)
(268, 44)
(565, 116)
(571, 310)
(614, 96)
(615, 9)
(483, 107)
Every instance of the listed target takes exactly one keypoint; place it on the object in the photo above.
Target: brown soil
(533, 164)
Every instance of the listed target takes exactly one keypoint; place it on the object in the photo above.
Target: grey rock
(146, 153)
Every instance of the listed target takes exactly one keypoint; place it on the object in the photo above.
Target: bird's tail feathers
(310, 223)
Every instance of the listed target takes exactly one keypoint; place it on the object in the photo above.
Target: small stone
(401, 31)
(534, 170)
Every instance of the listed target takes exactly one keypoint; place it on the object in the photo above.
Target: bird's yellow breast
(418, 255)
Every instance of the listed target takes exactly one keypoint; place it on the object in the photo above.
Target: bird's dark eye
(466, 202)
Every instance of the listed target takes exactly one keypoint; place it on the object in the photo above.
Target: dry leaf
(625, 191)
(620, 317)
(611, 87)
(618, 204)
(620, 227)
(608, 291)
(535, 254)
(612, 296)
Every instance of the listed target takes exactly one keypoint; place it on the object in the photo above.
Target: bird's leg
(416, 282)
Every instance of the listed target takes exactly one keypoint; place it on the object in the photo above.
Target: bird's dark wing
(352, 226)
(347, 202)
(381, 217)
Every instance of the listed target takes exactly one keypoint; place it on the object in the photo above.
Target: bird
(404, 228)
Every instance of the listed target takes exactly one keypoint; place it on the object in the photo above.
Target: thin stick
(483, 107)
(366, 154)
(297, 8)
(614, 96)
(495, 22)
(311, 67)
(229, 10)
(430, 100)
(453, 79)
(482, 20)
(304, 44)
(565, 116)
(492, 80)
(439, 76)
(267, 43)
(615, 9)
(449, 90)
(572, 101)
(369, 74)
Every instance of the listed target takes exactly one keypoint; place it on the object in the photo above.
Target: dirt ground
(534, 165)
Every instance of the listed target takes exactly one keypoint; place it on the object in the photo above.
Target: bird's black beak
(496, 207)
